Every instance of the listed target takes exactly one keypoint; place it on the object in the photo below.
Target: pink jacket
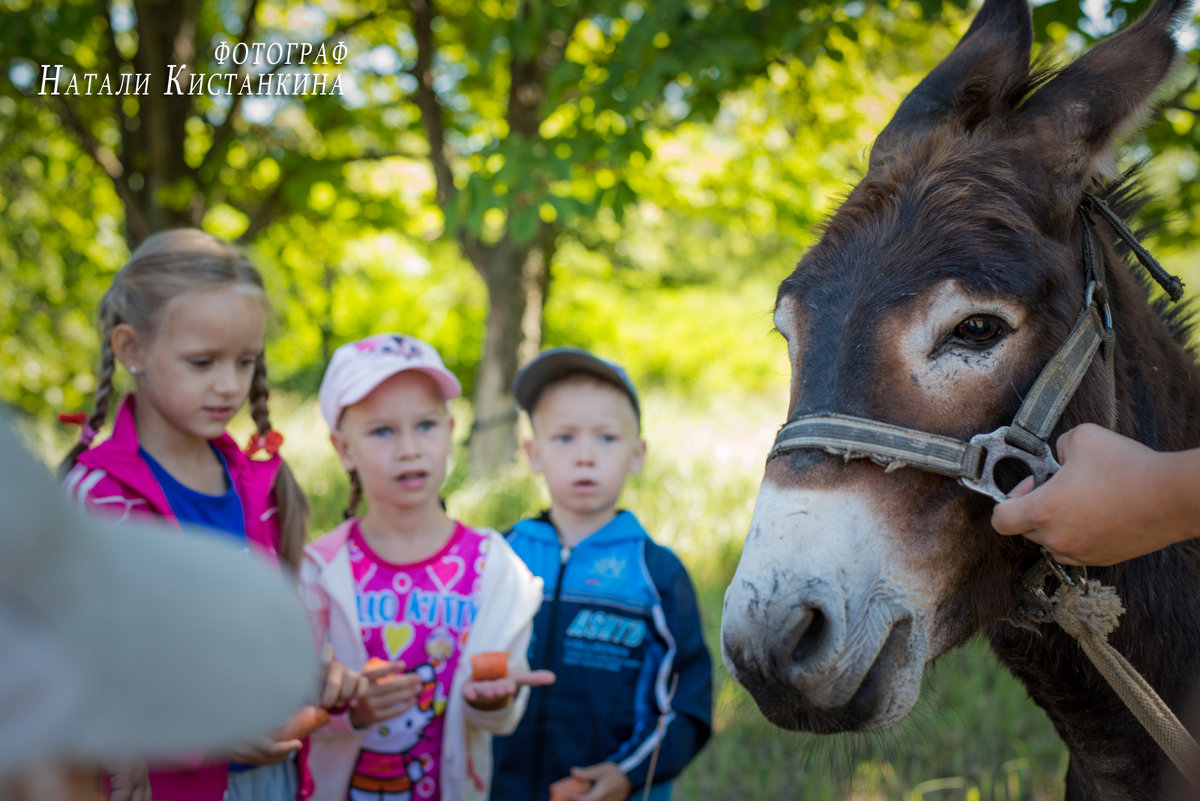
(113, 479)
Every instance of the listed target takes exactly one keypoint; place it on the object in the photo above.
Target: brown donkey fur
(974, 185)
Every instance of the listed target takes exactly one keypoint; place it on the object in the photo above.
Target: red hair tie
(269, 443)
(79, 419)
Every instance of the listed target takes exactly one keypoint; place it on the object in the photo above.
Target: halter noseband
(973, 462)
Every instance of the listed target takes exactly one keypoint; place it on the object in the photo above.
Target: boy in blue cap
(619, 624)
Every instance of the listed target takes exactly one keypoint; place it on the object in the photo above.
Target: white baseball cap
(358, 367)
(124, 639)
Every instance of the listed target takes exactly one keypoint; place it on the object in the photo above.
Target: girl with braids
(186, 317)
(413, 591)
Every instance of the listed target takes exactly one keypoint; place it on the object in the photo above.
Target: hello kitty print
(421, 614)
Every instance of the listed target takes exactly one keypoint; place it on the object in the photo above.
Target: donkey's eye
(981, 329)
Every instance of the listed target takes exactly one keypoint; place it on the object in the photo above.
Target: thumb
(1024, 488)
(1011, 517)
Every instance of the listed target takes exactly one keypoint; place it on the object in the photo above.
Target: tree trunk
(516, 279)
(152, 156)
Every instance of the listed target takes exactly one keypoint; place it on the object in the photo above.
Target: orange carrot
(374, 663)
(303, 723)
(566, 789)
(489, 665)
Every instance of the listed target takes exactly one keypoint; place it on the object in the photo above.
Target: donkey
(950, 275)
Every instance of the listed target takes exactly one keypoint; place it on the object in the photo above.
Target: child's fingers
(342, 686)
(285, 747)
(376, 671)
(607, 781)
(569, 788)
(393, 709)
(331, 690)
(534, 678)
(491, 688)
(392, 698)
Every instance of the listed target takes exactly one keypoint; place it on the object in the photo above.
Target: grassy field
(974, 735)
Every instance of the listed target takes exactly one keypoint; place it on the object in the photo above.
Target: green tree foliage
(663, 162)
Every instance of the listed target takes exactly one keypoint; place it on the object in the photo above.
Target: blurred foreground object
(133, 639)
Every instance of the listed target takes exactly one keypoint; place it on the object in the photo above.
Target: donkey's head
(940, 288)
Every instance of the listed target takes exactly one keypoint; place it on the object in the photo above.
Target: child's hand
(263, 751)
(490, 694)
(128, 781)
(342, 686)
(390, 691)
(607, 780)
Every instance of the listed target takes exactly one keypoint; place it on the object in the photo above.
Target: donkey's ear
(1075, 118)
(972, 83)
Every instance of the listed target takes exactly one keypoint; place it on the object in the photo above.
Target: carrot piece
(303, 723)
(374, 663)
(566, 789)
(489, 665)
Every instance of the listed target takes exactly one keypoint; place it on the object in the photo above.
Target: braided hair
(163, 267)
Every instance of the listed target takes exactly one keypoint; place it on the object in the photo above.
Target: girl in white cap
(409, 595)
(186, 317)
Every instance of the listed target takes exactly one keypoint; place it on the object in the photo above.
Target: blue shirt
(221, 513)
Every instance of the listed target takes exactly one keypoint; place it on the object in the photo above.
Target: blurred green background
(497, 176)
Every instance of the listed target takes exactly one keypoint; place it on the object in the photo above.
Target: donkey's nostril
(810, 631)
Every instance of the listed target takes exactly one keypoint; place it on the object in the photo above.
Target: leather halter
(973, 462)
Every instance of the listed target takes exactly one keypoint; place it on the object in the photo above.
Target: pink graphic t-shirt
(420, 613)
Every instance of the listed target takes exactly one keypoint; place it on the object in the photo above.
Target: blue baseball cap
(556, 363)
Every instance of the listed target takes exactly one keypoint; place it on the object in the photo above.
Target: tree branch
(225, 129)
(269, 208)
(427, 101)
(110, 164)
(268, 212)
(118, 63)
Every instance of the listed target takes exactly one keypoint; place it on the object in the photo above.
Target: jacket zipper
(539, 740)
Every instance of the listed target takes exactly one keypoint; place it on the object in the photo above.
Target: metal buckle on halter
(996, 448)
(1035, 605)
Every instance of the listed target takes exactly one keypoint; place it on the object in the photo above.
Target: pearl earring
(133, 369)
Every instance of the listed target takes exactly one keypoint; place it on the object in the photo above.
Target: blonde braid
(290, 500)
(355, 495)
(104, 392)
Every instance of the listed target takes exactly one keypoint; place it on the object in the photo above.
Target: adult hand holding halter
(1114, 499)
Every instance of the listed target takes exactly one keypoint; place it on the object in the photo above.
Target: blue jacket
(619, 626)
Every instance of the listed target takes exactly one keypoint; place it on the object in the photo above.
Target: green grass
(973, 736)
